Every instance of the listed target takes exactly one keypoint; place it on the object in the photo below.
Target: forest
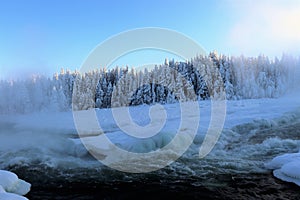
(201, 78)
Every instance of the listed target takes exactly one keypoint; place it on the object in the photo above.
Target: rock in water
(289, 172)
(12, 184)
(287, 167)
(11, 196)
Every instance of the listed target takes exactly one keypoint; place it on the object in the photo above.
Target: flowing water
(233, 170)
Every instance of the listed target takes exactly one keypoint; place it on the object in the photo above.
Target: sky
(40, 37)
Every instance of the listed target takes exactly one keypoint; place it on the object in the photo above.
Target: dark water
(109, 184)
(238, 186)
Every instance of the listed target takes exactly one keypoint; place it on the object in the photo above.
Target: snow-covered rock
(1, 189)
(286, 167)
(11, 196)
(12, 186)
(279, 161)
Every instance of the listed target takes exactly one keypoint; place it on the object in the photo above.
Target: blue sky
(43, 36)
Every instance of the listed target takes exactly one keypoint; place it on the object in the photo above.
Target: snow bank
(11, 187)
(286, 167)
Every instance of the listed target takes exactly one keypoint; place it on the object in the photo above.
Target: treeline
(198, 79)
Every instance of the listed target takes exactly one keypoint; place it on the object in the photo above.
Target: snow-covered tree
(202, 77)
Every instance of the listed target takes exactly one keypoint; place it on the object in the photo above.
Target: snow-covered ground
(51, 139)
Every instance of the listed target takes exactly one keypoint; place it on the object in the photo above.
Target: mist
(269, 27)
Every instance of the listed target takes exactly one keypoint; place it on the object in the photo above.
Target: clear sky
(41, 36)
